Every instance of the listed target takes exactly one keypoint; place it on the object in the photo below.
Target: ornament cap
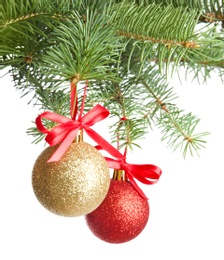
(119, 175)
(79, 137)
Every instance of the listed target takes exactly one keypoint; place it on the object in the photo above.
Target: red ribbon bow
(67, 129)
(145, 173)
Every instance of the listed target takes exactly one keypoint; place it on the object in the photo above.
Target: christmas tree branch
(128, 128)
(148, 27)
(84, 49)
(167, 43)
(205, 6)
(211, 11)
(177, 128)
(29, 16)
(212, 17)
(113, 44)
(126, 107)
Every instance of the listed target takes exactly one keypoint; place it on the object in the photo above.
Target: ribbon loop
(95, 115)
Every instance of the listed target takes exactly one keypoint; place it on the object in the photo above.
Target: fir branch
(29, 16)
(16, 11)
(163, 32)
(82, 48)
(47, 100)
(211, 11)
(126, 106)
(24, 18)
(130, 126)
(205, 6)
(167, 35)
(168, 43)
(112, 44)
(57, 101)
(178, 130)
(140, 100)
(177, 127)
(154, 23)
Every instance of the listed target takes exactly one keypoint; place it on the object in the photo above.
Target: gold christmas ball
(76, 184)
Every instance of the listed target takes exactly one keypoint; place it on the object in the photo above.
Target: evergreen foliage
(127, 51)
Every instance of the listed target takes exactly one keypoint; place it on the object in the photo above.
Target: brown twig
(167, 43)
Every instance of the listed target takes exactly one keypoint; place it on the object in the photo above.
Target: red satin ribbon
(67, 130)
(145, 173)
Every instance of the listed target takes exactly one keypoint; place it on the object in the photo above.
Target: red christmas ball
(121, 216)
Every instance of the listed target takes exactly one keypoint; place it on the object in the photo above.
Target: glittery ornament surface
(73, 186)
(122, 215)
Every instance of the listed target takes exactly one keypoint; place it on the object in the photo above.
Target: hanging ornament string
(67, 129)
(74, 101)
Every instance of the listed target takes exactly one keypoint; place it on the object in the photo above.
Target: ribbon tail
(134, 184)
(146, 173)
(113, 164)
(103, 143)
(63, 146)
(83, 102)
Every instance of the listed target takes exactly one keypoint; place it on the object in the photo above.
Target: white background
(187, 217)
